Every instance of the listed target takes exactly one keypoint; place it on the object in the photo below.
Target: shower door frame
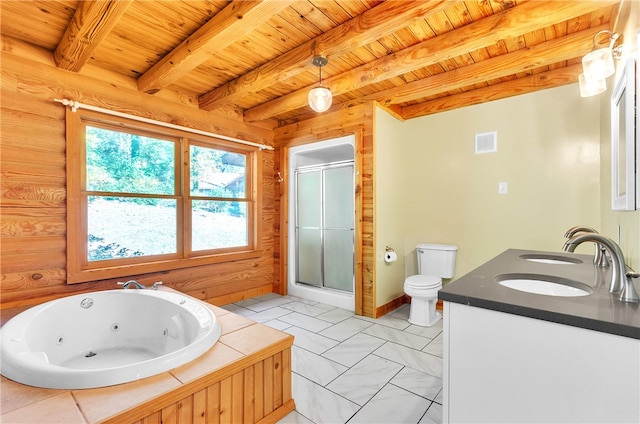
(321, 168)
(282, 179)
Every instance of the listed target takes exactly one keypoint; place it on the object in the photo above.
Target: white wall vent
(487, 142)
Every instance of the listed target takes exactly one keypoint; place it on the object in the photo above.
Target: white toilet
(435, 261)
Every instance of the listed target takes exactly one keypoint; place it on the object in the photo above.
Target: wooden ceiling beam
(363, 29)
(91, 23)
(511, 23)
(233, 22)
(559, 49)
(532, 83)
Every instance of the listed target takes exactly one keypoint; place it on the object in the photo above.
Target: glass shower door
(325, 227)
(338, 229)
(309, 227)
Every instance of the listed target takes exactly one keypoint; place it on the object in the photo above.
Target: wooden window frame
(79, 269)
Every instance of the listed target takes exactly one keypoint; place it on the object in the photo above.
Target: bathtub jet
(105, 338)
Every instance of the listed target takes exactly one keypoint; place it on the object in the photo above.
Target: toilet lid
(423, 281)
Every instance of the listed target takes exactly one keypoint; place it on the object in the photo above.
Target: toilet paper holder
(390, 255)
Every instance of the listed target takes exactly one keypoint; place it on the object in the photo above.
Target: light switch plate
(502, 188)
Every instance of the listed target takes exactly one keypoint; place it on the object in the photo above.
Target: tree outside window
(146, 199)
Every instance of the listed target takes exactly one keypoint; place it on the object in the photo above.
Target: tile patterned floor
(352, 369)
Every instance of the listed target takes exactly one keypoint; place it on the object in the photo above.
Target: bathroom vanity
(516, 356)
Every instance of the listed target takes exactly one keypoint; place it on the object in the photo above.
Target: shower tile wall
(352, 369)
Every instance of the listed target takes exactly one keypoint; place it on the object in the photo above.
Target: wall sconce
(591, 88)
(320, 97)
(598, 65)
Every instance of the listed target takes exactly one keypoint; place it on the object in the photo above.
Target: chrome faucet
(578, 229)
(621, 280)
(134, 283)
(600, 257)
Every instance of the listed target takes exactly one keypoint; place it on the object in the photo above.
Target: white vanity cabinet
(502, 367)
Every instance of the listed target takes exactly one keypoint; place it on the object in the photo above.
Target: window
(143, 198)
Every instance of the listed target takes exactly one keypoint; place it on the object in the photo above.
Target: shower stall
(322, 222)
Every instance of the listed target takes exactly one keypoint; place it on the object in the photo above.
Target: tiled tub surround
(353, 369)
(245, 378)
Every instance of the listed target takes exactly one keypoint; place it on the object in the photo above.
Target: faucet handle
(629, 293)
(156, 284)
(630, 272)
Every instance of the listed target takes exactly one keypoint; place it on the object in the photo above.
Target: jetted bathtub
(104, 338)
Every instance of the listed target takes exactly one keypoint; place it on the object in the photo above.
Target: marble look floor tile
(302, 300)
(304, 308)
(246, 302)
(268, 296)
(361, 382)
(295, 417)
(392, 405)
(433, 415)
(311, 302)
(269, 314)
(430, 332)
(323, 306)
(417, 382)
(319, 404)
(391, 334)
(353, 350)
(314, 367)
(310, 340)
(345, 329)
(389, 321)
(306, 322)
(277, 324)
(402, 312)
(237, 309)
(438, 398)
(267, 304)
(435, 346)
(412, 358)
(396, 367)
(335, 315)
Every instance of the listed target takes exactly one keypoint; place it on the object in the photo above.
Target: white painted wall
(430, 186)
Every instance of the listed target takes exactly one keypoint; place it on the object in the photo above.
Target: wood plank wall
(352, 119)
(33, 202)
(259, 393)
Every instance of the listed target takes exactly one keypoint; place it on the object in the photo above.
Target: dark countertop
(599, 311)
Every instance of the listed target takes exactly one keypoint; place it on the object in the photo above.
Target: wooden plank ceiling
(253, 59)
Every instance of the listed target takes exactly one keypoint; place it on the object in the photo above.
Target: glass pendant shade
(598, 64)
(320, 99)
(591, 88)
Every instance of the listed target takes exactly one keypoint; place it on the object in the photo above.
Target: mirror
(623, 190)
(638, 124)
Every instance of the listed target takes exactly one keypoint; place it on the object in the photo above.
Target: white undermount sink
(544, 285)
(550, 259)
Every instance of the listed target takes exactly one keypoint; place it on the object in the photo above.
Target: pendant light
(320, 96)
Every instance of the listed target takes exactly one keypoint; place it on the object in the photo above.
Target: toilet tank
(436, 259)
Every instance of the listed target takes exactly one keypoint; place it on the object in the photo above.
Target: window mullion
(182, 187)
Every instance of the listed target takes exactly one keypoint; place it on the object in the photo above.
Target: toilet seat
(423, 281)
